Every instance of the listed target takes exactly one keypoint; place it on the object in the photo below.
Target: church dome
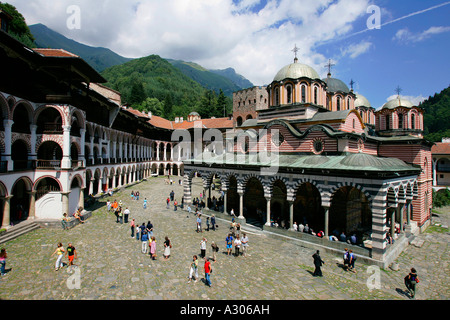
(397, 102)
(296, 70)
(361, 101)
(335, 85)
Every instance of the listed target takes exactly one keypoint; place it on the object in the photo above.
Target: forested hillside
(437, 116)
(153, 84)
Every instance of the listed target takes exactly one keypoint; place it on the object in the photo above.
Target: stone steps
(18, 230)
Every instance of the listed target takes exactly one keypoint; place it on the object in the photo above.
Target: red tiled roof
(55, 52)
(440, 148)
(159, 122)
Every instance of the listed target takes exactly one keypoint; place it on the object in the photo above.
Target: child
(138, 230)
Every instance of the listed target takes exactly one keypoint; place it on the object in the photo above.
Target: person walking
(144, 241)
(229, 243)
(237, 246)
(133, 226)
(199, 223)
(203, 247)
(208, 271)
(60, 254)
(318, 262)
(411, 281)
(108, 205)
(71, 254)
(193, 271)
(167, 247)
(214, 249)
(126, 213)
(145, 203)
(149, 228)
(3, 257)
(153, 248)
(213, 222)
(345, 258)
(351, 260)
(244, 241)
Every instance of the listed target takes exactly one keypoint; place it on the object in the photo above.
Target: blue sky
(256, 37)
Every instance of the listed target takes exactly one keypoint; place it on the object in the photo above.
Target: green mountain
(436, 117)
(226, 80)
(99, 58)
(153, 77)
(237, 79)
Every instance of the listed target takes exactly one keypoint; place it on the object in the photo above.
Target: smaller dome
(296, 70)
(335, 85)
(397, 102)
(366, 160)
(361, 101)
(194, 113)
(316, 159)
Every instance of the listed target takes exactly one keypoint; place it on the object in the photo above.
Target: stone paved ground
(111, 265)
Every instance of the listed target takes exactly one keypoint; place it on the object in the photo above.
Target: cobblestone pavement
(111, 265)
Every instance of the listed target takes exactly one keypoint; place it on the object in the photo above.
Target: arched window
(400, 120)
(348, 103)
(303, 93)
(315, 95)
(289, 93)
(387, 122)
(338, 103)
(413, 121)
(277, 96)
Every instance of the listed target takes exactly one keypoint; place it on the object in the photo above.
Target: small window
(303, 93)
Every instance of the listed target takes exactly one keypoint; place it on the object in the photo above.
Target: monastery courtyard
(112, 267)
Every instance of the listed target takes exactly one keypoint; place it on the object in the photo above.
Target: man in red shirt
(208, 271)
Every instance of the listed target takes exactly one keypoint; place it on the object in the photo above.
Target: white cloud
(355, 50)
(253, 36)
(415, 100)
(404, 35)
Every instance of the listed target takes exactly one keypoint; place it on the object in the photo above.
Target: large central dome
(296, 70)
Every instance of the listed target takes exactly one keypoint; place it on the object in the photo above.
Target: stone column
(7, 212)
(241, 204)
(187, 190)
(291, 214)
(32, 209)
(65, 203)
(268, 211)
(81, 199)
(33, 140)
(393, 222)
(225, 193)
(434, 161)
(82, 145)
(66, 162)
(326, 231)
(7, 124)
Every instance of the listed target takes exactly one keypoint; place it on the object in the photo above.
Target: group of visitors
(134, 195)
(69, 253)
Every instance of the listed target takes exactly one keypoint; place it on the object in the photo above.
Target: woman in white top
(237, 245)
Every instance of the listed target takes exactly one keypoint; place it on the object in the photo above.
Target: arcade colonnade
(52, 158)
(378, 206)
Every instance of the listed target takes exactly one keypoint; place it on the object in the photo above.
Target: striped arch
(17, 137)
(28, 107)
(77, 145)
(353, 185)
(80, 117)
(269, 187)
(391, 198)
(45, 106)
(401, 194)
(45, 177)
(80, 181)
(292, 191)
(4, 108)
(3, 190)
(243, 182)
